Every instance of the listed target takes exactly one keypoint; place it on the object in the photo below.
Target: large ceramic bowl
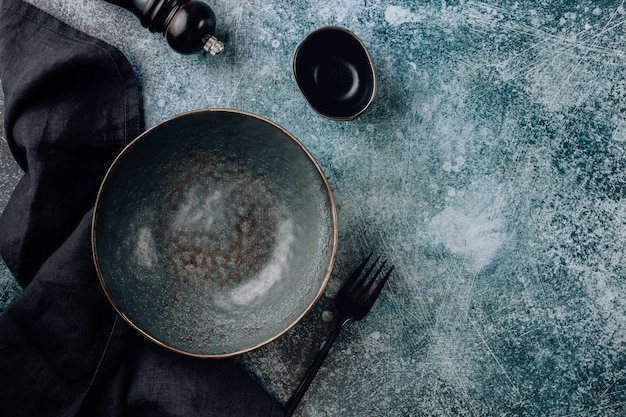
(214, 232)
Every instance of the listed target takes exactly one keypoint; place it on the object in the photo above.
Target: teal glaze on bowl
(214, 232)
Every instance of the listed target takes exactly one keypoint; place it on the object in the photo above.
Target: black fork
(353, 302)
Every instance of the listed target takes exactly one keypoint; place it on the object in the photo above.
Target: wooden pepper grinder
(188, 25)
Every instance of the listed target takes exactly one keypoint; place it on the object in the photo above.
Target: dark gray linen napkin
(71, 104)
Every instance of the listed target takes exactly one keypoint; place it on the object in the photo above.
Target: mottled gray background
(491, 170)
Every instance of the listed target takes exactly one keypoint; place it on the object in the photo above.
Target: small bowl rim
(335, 28)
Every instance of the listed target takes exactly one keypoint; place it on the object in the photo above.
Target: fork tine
(372, 298)
(371, 282)
(361, 282)
(355, 275)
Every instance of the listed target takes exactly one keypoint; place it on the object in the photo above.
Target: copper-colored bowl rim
(327, 273)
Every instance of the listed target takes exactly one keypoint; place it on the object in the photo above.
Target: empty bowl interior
(214, 233)
(334, 72)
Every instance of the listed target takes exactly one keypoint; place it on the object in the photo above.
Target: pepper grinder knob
(188, 25)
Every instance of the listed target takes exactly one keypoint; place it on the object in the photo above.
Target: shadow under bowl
(214, 233)
(335, 73)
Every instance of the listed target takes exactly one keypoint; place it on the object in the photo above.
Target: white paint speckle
(396, 15)
(454, 166)
(570, 15)
(327, 316)
(471, 232)
(337, 11)
(459, 161)
(275, 43)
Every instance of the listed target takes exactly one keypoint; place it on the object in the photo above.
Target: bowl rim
(332, 245)
(335, 28)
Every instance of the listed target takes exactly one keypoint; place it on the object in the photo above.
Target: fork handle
(293, 402)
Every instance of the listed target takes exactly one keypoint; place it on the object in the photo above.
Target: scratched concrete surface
(491, 170)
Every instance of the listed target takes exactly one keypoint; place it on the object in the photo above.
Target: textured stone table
(491, 170)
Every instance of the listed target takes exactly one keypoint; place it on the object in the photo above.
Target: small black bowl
(335, 73)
